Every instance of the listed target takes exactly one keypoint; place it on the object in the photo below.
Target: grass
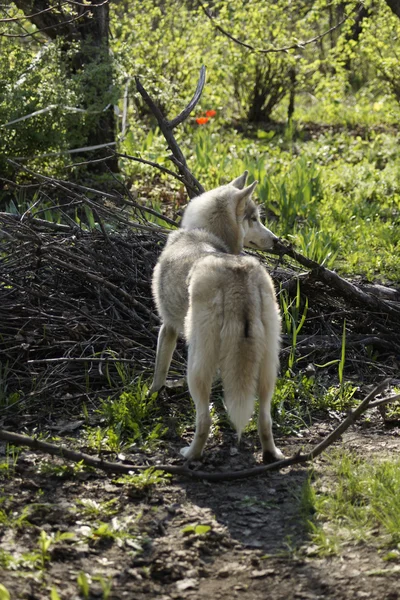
(130, 419)
(334, 194)
(357, 501)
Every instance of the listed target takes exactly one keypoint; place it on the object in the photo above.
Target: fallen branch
(114, 467)
(346, 289)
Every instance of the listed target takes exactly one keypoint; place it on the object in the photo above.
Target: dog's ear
(240, 181)
(242, 196)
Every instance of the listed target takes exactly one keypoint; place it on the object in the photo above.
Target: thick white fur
(226, 306)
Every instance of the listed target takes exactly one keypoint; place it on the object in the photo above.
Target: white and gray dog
(225, 305)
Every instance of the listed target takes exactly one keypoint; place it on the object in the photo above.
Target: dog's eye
(254, 219)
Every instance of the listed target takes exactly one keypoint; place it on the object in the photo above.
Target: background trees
(266, 62)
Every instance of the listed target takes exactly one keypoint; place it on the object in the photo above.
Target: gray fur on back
(182, 251)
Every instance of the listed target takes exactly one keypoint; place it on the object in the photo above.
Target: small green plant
(8, 466)
(145, 480)
(106, 585)
(346, 389)
(133, 416)
(44, 544)
(83, 581)
(45, 541)
(92, 509)
(54, 595)
(196, 529)
(4, 593)
(293, 321)
(63, 470)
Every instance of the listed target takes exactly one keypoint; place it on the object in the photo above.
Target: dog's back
(170, 287)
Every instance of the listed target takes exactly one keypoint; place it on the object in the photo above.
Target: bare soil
(258, 546)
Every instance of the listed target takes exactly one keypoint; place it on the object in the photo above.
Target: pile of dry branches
(76, 315)
(76, 307)
(75, 304)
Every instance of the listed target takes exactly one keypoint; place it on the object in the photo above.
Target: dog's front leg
(166, 345)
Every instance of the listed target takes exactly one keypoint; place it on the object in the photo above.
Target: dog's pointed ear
(240, 181)
(242, 196)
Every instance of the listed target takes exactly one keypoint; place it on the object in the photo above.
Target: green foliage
(83, 584)
(4, 593)
(361, 505)
(297, 399)
(90, 508)
(293, 321)
(196, 529)
(131, 418)
(145, 480)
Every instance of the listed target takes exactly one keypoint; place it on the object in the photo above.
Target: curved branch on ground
(122, 468)
(345, 288)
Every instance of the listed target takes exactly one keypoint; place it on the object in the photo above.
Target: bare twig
(193, 187)
(151, 164)
(114, 467)
(295, 46)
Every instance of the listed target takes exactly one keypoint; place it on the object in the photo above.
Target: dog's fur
(225, 304)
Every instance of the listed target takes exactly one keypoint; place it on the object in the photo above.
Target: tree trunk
(90, 27)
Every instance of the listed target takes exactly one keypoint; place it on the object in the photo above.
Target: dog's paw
(270, 456)
(189, 454)
(153, 390)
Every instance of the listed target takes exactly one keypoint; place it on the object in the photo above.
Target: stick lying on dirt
(114, 467)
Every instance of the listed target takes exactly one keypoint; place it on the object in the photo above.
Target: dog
(224, 302)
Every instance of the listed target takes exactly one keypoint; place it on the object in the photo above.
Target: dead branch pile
(74, 306)
(77, 319)
(76, 315)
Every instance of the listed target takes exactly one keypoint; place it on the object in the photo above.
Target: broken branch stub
(193, 187)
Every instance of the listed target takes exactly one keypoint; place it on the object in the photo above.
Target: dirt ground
(257, 545)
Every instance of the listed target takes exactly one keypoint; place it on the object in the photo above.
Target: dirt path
(252, 542)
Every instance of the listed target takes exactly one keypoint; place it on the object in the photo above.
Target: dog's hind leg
(266, 386)
(166, 344)
(201, 369)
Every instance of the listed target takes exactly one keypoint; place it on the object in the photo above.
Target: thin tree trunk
(91, 30)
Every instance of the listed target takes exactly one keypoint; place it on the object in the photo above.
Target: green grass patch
(357, 501)
(133, 418)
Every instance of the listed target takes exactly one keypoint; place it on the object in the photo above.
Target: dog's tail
(242, 342)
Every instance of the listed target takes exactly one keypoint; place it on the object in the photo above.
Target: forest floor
(78, 533)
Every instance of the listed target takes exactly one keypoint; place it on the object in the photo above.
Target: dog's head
(255, 234)
(229, 213)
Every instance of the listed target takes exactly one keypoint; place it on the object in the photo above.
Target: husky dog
(225, 305)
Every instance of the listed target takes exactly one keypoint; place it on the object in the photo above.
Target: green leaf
(54, 595)
(188, 529)
(202, 529)
(4, 593)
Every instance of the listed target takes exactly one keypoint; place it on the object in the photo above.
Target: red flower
(202, 120)
(211, 113)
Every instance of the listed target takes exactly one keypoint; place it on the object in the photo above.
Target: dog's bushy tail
(242, 341)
